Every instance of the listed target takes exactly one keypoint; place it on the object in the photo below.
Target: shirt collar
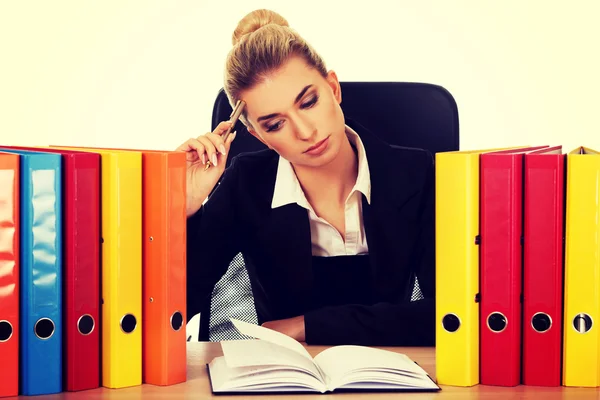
(288, 189)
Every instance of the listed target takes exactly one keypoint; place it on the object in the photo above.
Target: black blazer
(276, 245)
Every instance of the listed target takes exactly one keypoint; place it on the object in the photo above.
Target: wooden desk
(197, 386)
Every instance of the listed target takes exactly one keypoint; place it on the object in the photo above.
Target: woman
(334, 224)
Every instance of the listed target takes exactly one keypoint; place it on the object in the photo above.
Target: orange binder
(9, 274)
(164, 267)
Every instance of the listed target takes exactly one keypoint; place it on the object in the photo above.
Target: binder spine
(457, 269)
(176, 270)
(543, 269)
(581, 366)
(122, 270)
(164, 268)
(9, 274)
(501, 268)
(83, 272)
(41, 275)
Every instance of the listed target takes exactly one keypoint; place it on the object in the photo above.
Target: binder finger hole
(44, 328)
(541, 322)
(497, 322)
(176, 321)
(451, 322)
(86, 324)
(6, 331)
(582, 323)
(128, 323)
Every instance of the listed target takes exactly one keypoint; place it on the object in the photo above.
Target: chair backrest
(407, 114)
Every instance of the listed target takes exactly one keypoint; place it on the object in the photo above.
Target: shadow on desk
(198, 387)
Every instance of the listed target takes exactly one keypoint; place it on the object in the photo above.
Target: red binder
(81, 194)
(9, 274)
(543, 267)
(501, 266)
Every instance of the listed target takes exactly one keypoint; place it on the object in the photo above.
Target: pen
(235, 115)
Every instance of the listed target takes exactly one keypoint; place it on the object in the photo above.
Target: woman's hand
(199, 180)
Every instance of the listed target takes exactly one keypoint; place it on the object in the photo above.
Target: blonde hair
(262, 43)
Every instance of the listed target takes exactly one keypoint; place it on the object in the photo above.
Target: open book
(277, 363)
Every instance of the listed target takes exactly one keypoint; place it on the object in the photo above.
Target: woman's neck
(333, 181)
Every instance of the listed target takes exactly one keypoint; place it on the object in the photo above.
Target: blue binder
(40, 366)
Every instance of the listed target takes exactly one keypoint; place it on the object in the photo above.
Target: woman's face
(296, 112)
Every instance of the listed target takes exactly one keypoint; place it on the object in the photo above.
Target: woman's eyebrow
(302, 92)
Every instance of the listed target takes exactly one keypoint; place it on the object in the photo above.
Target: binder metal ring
(582, 323)
(44, 328)
(176, 321)
(496, 322)
(86, 324)
(128, 323)
(451, 322)
(6, 331)
(541, 322)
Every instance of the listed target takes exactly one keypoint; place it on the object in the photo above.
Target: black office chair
(407, 114)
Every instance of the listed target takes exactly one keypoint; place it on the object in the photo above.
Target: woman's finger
(210, 150)
(218, 142)
(193, 149)
(229, 140)
(222, 127)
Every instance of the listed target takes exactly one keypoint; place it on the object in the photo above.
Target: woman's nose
(305, 129)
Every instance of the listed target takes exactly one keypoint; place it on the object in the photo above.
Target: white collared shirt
(326, 240)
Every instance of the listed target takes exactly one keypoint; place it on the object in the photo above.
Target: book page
(251, 353)
(346, 364)
(257, 378)
(269, 335)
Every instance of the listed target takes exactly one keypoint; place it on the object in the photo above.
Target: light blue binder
(40, 366)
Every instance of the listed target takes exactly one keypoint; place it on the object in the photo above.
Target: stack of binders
(92, 269)
(511, 223)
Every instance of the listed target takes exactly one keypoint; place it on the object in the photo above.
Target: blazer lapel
(287, 229)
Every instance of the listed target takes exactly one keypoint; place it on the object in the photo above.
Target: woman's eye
(274, 127)
(311, 102)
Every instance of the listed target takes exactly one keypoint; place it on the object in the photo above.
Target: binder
(543, 218)
(9, 273)
(81, 308)
(164, 267)
(501, 266)
(457, 267)
(164, 224)
(582, 268)
(121, 267)
(40, 366)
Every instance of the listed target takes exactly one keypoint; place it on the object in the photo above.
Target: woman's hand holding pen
(201, 180)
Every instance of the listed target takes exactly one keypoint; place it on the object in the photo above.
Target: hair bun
(256, 20)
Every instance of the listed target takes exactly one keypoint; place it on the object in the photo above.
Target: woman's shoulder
(414, 160)
(412, 154)
(378, 147)
(254, 161)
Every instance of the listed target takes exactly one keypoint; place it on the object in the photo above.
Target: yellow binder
(121, 212)
(457, 267)
(581, 338)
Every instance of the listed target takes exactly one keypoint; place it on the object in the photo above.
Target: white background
(144, 74)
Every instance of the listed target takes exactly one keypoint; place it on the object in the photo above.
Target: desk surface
(197, 386)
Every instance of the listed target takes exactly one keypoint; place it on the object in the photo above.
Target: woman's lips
(318, 148)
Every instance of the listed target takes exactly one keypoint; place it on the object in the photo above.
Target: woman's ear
(334, 84)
